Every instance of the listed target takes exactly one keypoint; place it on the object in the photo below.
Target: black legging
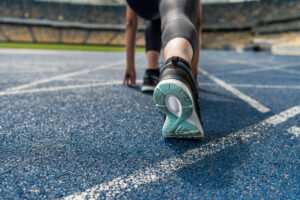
(153, 35)
(178, 20)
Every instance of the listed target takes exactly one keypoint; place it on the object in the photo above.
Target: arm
(130, 35)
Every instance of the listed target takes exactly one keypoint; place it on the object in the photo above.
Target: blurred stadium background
(70, 130)
(260, 25)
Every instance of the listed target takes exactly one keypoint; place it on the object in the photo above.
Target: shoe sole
(147, 88)
(174, 99)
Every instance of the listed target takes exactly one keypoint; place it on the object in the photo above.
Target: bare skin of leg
(179, 47)
(152, 59)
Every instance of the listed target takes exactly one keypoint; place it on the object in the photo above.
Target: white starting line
(63, 76)
(68, 87)
(141, 177)
(97, 84)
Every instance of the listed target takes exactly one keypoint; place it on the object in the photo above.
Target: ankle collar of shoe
(176, 60)
(179, 62)
(152, 72)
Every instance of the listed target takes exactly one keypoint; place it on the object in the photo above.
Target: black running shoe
(151, 79)
(176, 95)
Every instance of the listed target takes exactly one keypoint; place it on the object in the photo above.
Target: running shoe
(176, 95)
(150, 81)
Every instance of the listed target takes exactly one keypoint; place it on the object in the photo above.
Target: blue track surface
(69, 129)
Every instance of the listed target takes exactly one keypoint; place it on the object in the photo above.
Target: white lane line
(60, 77)
(295, 131)
(68, 87)
(252, 102)
(290, 71)
(15, 51)
(161, 170)
(254, 86)
(263, 69)
(260, 69)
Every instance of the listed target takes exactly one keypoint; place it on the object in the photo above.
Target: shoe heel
(175, 124)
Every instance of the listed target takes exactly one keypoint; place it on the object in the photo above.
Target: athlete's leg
(152, 59)
(153, 43)
(179, 35)
(153, 46)
(195, 61)
(176, 95)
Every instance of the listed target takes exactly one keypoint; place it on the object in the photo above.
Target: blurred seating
(140, 39)
(234, 13)
(118, 39)
(62, 11)
(282, 39)
(229, 13)
(16, 33)
(247, 13)
(73, 36)
(46, 34)
(226, 40)
(2, 37)
(100, 37)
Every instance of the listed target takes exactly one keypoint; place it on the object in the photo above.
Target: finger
(132, 81)
(125, 80)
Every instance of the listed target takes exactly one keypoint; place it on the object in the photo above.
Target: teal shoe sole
(176, 124)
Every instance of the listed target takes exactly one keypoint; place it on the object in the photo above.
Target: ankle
(156, 67)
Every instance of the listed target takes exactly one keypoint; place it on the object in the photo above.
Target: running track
(70, 130)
